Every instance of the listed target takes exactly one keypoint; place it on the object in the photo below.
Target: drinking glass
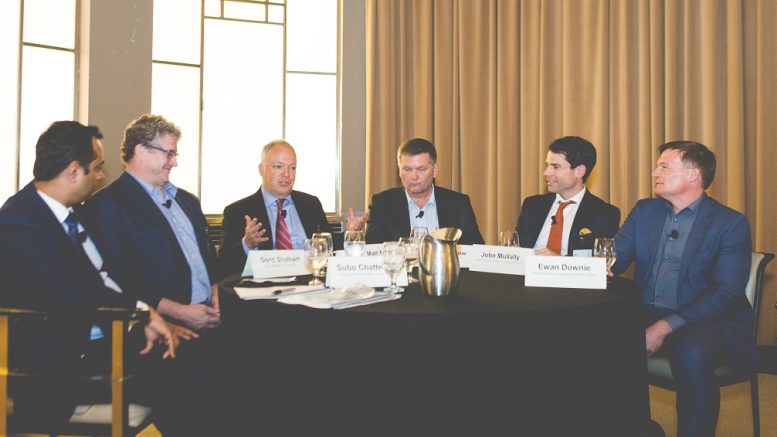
(326, 236)
(411, 256)
(508, 238)
(393, 263)
(353, 243)
(316, 254)
(418, 232)
(605, 248)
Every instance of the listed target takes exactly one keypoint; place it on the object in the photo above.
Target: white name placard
(464, 251)
(275, 263)
(347, 271)
(498, 259)
(566, 272)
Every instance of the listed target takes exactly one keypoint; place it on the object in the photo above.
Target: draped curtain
(492, 82)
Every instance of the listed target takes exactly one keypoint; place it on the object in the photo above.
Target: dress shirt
(430, 220)
(293, 222)
(184, 233)
(61, 212)
(569, 217)
(661, 289)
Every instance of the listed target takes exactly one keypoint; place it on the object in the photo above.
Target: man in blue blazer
(583, 216)
(419, 202)
(49, 259)
(154, 234)
(692, 258)
(252, 222)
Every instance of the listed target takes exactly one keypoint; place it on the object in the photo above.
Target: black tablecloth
(496, 358)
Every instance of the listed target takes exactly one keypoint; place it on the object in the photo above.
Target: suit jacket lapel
(305, 215)
(139, 195)
(539, 215)
(698, 230)
(581, 216)
(258, 210)
(49, 219)
(401, 215)
(445, 212)
(655, 225)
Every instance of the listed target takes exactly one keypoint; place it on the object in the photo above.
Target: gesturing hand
(254, 233)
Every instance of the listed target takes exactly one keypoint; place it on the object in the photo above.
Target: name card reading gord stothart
(498, 259)
(347, 271)
(276, 263)
(566, 272)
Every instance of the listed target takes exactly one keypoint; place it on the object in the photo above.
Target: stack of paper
(275, 291)
(339, 299)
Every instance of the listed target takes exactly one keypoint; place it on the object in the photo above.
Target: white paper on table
(347, 271)
(498, 259)
(566, 272)
(279, 291)
(338, 299)
(263, 264)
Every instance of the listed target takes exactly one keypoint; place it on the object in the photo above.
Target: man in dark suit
(155, 235)
(692, 258)
(419, 202)
(51, 260)
(291, 216)
(569, 218)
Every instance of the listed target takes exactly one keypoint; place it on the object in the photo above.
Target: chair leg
(756, 407)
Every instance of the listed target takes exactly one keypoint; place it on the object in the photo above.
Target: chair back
(758, 262)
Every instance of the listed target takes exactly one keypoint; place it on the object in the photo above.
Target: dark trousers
(694, 351)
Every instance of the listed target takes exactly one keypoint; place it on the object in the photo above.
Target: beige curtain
(493, 82)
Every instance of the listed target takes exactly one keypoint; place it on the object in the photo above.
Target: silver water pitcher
(438, 262)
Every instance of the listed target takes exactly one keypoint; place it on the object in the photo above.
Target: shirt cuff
(140, 305)
(246, 249)
(675, 322)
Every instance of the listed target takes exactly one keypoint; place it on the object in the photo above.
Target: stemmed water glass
(508, 238)
(353, 243)
(317, 250)
(605, 248)
(410, 245)
(393, 263)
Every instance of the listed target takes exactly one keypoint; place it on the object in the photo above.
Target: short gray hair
(272, 144)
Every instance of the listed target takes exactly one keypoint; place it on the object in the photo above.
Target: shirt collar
(693, 208)
(431, 200)
(60, 211)
(577, 197)
(269, 199)
(170, 189)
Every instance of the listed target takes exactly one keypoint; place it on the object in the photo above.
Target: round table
(495, 358)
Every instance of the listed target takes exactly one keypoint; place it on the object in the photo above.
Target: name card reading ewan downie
(498, 259)
(276, 263)
(347, 271)
(566, 272)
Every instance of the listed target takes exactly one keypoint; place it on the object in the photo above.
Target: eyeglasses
(170, 153)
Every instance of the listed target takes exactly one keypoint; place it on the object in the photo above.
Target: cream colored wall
(116, 81)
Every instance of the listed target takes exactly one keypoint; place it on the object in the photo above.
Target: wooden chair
(117, 418)
(660, 371)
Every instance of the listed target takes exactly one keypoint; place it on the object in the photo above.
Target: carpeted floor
(735, 414)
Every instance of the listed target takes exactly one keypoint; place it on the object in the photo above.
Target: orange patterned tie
(557, 228)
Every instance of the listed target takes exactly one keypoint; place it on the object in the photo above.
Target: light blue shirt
(662, 290)
(429, 220)
(293, 222)
(184, 233)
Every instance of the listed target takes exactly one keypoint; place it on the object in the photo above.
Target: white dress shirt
(569, 217)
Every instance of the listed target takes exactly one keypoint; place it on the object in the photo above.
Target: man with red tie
(568, 219)
(275, 217)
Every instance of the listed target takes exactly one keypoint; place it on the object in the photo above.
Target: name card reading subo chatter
(498, 259)
(566, 272)
(276, 263)
(347, 271)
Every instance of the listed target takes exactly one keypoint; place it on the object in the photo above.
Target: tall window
(235, 74)
(37, 80)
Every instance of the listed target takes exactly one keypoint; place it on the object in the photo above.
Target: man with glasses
(155, 236)
(419, 202)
